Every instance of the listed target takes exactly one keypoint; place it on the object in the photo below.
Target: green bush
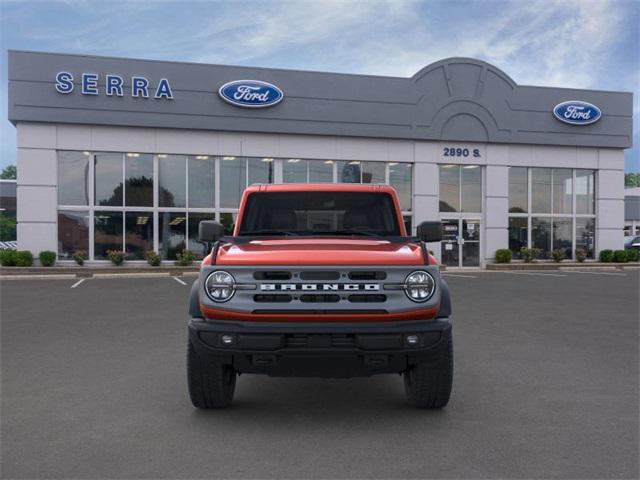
(80, 256)
(530, 254)
(47, 258)
(581, 254)
(117, 257)
(606, 256)
(24, 258)
(558, 255)
(503, 255)
(185, 258)
(8, 258)
(633, 255)
(620, 256)
(153, 258)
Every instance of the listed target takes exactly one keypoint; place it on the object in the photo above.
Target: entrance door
(460, 242)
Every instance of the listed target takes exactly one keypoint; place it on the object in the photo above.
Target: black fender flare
(445, 300)
(194, 300)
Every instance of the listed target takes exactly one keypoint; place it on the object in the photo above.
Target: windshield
(319, 213)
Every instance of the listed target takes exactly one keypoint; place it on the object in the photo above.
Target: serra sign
(250, 93)
(113, 85)
(577, 112)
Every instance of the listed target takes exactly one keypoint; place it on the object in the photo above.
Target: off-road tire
(211, 383)
(428, 384)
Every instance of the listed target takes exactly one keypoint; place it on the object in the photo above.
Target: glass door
(450, 253)
(470, 244)
(460, 246)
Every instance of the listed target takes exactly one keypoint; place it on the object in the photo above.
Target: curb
(95, 272)
(561, 266)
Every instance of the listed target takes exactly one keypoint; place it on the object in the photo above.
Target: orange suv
(321, 281)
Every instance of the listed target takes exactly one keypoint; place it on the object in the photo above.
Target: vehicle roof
(320, 187)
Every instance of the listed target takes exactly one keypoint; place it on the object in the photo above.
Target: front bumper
(320, 350)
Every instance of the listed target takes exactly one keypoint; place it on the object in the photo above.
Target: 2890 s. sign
(577, 112)
(250, 93)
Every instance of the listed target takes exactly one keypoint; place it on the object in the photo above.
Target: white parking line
(537, 274)
(599, 273)
(78, 283)
(178, 280)
(456, 275)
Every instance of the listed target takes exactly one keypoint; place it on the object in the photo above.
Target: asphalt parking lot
(545, 386)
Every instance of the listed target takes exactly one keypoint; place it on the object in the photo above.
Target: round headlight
(220, 286)
(419, 286)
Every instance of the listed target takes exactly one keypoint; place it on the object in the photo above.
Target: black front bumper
(320, 350)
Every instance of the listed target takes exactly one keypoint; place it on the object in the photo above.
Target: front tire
(428, 384)
(211, 384)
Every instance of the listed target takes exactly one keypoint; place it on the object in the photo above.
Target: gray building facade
(104, 163)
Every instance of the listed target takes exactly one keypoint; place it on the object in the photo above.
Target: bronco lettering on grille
(370, 287)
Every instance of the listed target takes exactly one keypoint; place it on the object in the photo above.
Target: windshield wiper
(266, 231)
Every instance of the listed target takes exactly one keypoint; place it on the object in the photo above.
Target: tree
(9, 172)
(632, 180)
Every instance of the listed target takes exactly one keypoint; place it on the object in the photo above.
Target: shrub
(620, 256)
(503, 255)
(47, 258)
(581, 254)
(529, 254)
(558, 255)
(185, 258)
(153, 258)
(117, 257)
(8, 258)
(606, 256)
(79, 256)
(24, 258)
(633, 255)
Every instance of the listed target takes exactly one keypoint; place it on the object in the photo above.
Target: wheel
(211, 384)
(428, 384)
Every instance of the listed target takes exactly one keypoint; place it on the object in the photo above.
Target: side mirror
(430, 231)
(210, 231)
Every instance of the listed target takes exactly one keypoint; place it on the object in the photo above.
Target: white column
(610, 200)
(496, 210)
(426, 188)
(37, 188)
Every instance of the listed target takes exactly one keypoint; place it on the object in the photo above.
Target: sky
(564, 43)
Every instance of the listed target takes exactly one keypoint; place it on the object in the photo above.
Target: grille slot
(367, 275)
(318, 341)
(318, 311)
(358, 298)
(320, 275)
(273, 298)
(271, 275)
(319, 298)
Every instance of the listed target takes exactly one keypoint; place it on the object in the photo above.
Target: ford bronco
(321, 281)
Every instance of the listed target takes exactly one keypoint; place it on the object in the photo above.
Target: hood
(320, 251)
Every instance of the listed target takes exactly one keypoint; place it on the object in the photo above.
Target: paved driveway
(545, 385)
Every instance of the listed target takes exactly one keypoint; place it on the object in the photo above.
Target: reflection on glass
(541, 190)
(518, 190)
(349, 172)
(449, 188)
(172, 231)
(138, 234)
(172, 188)
(320, 171)
(201, 181)
(471, 188)
(108, 179)
(400, 178)
(562, 190)
(107, 233)
(585, 191)
(233, 176)
(228, 220)
(73, 178)
(196, 246)
(408, 224)
(260, 170)
(585, 235)
(373, 172)
(541, 235)
(517, 235)
(294, 170)
(138, 177)
(73, 233)
(562, 233)
(450, 249)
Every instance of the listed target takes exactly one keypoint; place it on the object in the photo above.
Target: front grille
(320, 341)
(319, 311)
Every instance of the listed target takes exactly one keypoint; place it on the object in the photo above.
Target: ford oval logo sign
(577, 112)
(251, 93)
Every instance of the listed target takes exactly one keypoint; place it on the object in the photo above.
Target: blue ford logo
(250, 93)
(576, 112)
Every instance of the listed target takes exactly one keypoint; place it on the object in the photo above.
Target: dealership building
(130, 154)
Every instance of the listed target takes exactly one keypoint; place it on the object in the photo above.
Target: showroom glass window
(551, 209)
(73, 178)
(460, 188)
